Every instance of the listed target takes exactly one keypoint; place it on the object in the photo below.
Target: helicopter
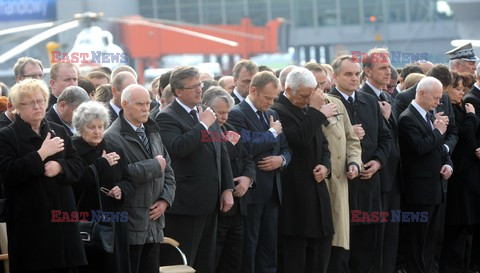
(93, 39)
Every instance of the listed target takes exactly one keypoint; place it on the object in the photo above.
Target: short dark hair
(164, 80)
(265, 68)
(409, 69)
(441, 73)
(180, 74)
(87, 85)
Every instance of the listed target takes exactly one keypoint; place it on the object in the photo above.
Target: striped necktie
(143, 137)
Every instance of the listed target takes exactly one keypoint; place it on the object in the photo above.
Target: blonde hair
(28, 88)
(412, 79)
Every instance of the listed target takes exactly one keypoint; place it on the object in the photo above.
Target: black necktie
(193, 113)
(382, 97)
(262, 119)
(350, 100)
(143, 137)
(430, 118)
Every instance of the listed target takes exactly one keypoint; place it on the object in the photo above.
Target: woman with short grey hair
(87, 112)
(90, 120)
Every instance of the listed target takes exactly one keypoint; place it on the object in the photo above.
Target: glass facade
(301, 13)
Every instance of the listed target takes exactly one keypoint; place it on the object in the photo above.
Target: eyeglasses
(31, 104)
(196, 86)
(34, 76)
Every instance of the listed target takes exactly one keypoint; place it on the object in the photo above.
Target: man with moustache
(149, 167)
(270, 154)
(364, 192)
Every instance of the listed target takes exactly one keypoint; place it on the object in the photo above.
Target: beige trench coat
(345, 148)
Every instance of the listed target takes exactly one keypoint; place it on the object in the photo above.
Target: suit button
(149, 175)
(150, 239)
(338, 157)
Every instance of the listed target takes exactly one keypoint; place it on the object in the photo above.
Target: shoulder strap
(97, 185)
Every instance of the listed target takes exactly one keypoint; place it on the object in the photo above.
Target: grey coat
(152, 184)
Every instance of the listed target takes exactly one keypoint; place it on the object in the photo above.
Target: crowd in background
(353, 166)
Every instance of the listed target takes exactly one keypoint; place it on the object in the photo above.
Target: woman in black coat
(463, 209)
(90, 120)
(38, 165)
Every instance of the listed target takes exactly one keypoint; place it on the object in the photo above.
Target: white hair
(300, 76)
(127, 92)
(87, 112)
(428, 83)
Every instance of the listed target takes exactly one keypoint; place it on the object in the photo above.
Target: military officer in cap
(462, 59)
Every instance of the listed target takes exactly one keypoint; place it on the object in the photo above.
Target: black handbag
(99, 235)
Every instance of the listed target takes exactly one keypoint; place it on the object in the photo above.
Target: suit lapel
(421, 119)
(252, 115)
(183, 113)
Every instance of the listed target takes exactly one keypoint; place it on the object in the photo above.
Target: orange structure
(147, 43)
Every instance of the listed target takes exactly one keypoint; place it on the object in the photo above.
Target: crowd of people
(353, 166)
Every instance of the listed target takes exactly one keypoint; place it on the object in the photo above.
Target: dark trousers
(306, 254)
(457, 247)
(230, 230)
(197, 236)
(339, 257)
(260, 245)
(390, 201)
(145, 258)
(365, 248)
(421, 243)
(475, 256)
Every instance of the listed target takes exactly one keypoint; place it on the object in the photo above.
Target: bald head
(120, 81)
(429, 92)
(425, 66)
(136, 104)
(227, 83)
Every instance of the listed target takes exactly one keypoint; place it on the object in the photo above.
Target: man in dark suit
(243, 72)
(262, 135)
(62, 112)
(473, 97)
(230, 229)
(444, 110)
(202, 170)
(305, 219)
(119, 82)
(379, 74)
(364, 192)
(426, 166)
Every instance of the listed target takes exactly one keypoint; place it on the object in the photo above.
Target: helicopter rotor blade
(25, 28)
(37, 39)
(206, 27)
(176, 29)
